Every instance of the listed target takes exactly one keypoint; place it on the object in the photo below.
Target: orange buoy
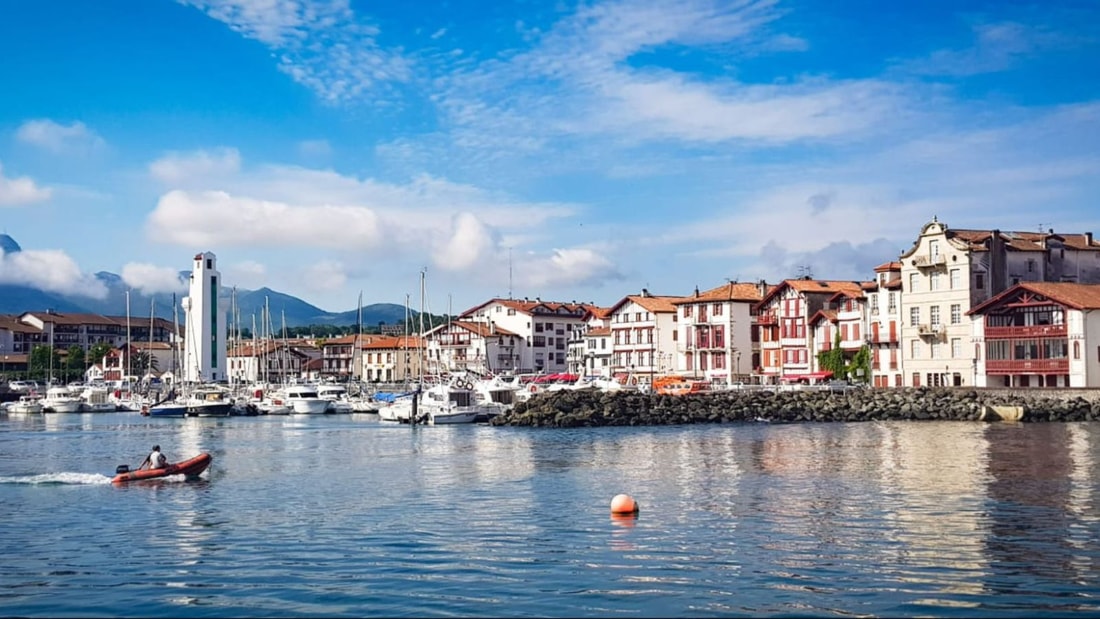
(624, 504)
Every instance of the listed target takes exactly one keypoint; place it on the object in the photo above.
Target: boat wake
(77, 479)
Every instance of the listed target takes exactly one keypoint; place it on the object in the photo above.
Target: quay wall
(592, 407)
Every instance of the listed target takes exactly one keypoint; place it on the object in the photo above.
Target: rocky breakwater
(592, 407)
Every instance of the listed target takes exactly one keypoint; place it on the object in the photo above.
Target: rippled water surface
(346, 516)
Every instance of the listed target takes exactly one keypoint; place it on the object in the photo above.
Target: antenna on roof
(805, 272)
(509, 273)
(1041, 226)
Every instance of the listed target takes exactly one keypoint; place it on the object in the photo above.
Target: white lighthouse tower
(205, 329)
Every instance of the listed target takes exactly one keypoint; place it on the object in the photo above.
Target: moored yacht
(61, 400)
(303, 400)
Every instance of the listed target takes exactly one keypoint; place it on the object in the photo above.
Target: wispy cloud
(997, 47)
(74, 138)
(200, 166)
(322, 45)
(20, 190)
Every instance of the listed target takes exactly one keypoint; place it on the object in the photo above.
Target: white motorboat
(337, 395)
(448, 403)
(303, 400)
(26, 405)
(97, 400)
(61, 400)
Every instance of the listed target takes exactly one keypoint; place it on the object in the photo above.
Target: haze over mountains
(16, 298)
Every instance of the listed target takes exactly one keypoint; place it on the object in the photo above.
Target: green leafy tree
(142, 362)
(97, 352)
(833, 360)
(861, 361)
(74, 363)
(43, 359)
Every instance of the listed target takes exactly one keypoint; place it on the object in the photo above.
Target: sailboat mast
(129, 351)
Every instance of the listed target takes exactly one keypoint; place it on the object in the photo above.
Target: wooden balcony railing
(1027, 366)
(767, 319)
(1018, 332)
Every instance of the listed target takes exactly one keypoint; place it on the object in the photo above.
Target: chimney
(696, 291)
(645, 293)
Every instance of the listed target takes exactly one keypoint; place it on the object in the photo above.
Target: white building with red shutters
(644, 337)
(883, 310)
(541, 332)
(468, 346)
(786, 340)
(715, 332)
(1038, 334)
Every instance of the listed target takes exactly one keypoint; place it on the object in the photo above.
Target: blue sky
(570, 151)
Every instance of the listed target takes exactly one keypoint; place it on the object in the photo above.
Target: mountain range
(17, 298)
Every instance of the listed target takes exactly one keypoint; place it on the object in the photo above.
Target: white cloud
(210, 218)
(319, 44)
(49, 270)
(152, 279)
(58, 138)
(204, 166)
(21, 190)
(469, 241)
(564, 268)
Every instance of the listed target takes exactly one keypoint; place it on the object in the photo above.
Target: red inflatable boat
(190, 468)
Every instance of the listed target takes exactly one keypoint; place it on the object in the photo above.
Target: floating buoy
(624, 504)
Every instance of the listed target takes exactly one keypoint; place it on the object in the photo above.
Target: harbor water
(331, 516)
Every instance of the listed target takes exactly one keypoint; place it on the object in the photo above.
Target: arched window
(1077, 350)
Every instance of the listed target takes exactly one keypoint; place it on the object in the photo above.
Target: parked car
(24, 386)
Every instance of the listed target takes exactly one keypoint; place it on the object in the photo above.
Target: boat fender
(467, 384)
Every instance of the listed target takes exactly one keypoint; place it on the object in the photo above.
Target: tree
(833, 359)
(142, 362)
(43, 359)
(861, 361)
(97, 352)
(74, 362)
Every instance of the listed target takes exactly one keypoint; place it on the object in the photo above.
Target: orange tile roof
(730, 291)
(1069, 294)
(528, 306)
(481, 329)
(813, 286)
(888, 266)
(598, 331)
(824, 314)
(658, 304)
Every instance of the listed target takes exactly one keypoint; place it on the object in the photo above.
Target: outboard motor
(122, 468)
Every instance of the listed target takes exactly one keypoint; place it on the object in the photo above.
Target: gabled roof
(1071, 295)
(654, 303)
(888, 266)
(480, 329)
(528, 306)
(730, 291)
(824, 314)
(10, 322)
(812, 286)
(598, 332)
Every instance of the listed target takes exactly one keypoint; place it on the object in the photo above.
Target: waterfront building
(644, 337)
(1038, 334)
(542, 332)
(786, 340)
(393, 358)
(715, 338)
(883, 325)
(204, 353)
(589, 349)
(840, 324)
(270, 361)
(468, 346)
(947, 272)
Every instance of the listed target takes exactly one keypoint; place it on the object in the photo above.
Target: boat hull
(189, 468)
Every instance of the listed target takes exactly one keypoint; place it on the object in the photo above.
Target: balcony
(930, 330)
(1019, 332)
(923, 262)
(1027, 366)
(880, 338)
(767, 319)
